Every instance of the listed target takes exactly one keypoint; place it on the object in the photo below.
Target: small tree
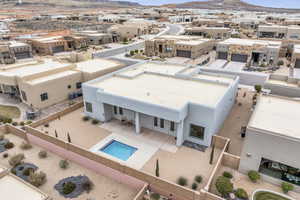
(69, 138)
(211, 160)
(258, 88)
(157, 168)
(224, 186)
(254, 176)
(241, 193)
(286, 187)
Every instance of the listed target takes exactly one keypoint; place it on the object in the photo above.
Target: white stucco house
(172, 99)
(272, 142)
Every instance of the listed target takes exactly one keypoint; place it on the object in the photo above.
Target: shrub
(68, 187)
(46, 125)
(155, 196)
(16, 160)
(63, 164)
(5, 155)
(6, 120)
(43, 154)
(198, 179)
(241, 193)
(25, 146)
(258, 88)
(224, 186)
(95, 121)
(22, 123)
(182, 181)
(194, 186)
(286, 187)
(1, 137)
(27, 171)
(280, 62)
(9, 145)
(15, 123)
(87, 186)
(86, 118)
(227, 175)
(254, 176)
(37, 178)
(28, 122)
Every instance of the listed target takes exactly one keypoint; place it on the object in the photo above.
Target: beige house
(49, 82)
(181, 46)
(209, 32)
(13, 50)
(96, 38)
(280, 32)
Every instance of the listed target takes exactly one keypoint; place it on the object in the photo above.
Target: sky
(269, 3)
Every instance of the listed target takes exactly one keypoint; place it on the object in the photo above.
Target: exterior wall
(258, 144)
(209, 32)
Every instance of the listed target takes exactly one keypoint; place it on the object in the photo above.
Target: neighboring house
(14, 50)
(279, 32)
(44, 84)
(161, 97)
(251, 52)
(209, 32)
(181, 46)
(272, 142)
(96, 38)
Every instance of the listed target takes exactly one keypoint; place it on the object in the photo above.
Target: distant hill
(228, 4)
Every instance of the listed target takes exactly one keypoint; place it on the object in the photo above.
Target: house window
(115, 110)
(78, 85)
(162, 123)
(88, 107)
(155, 121)
(172, 126)
(24, 95)
(44, 96)
(197, 131)
(120, 111)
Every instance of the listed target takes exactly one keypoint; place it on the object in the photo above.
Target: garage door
(297, 64)
(22, 55)
(239, 58)
(58, 49)
(182, 53)
(222, 55)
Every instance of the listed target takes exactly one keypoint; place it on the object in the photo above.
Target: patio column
(179, 140)
(137, 123)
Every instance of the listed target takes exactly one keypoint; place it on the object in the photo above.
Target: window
(155, 121)
(44, 96)
(172, 126)
(115, 110)
(162, 123)
(88, 107)
(120, 111)
(78, 85)
(197, 131)
(24, 95)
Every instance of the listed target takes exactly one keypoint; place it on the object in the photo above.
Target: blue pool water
(119, 150)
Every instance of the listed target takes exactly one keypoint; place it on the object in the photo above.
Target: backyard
(10, 111)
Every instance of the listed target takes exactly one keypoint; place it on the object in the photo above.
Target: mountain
(228, 5)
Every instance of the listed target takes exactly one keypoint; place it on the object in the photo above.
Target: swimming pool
(119, 150)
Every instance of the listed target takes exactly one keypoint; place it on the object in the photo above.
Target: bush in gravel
(5, 155)
(224, 186)
(37, 178)
(155, 196)
(85, 118)
(227, 175)
(15, 123)
(198, 179)
(87, 186)
(9, 145)
(241, 193)
(16, 159)
(194, 186)
(95, 121)
(182, 181)
(22, 123)
(286, 187)
(254, 176)
(43, 154)
(28, 171)
(68, 187)
(25, 146)
(28, 122)
(63, 164)
(46, 125)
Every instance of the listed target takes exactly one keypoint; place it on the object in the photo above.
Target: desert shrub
(1, 137)
(224, 186)
(46, 125)
(6, 120)
(241, 193)
(198, 179)
(182, 181)
(194, 186)
(258, 88)
(5, 155)
(9, 145)
(286, 187)
(280, 62)
(37, 178)
(254, 176)
(86, 118)
(25, 146)
(27, 171)
(68, 187)
(15, 123)
(22, 123)
(227, 175)
(155, 196)
(16, 159)
(131, 53)
(43, 154)
(28, 122)
(63, 164)
(87, 186)
(95, 121)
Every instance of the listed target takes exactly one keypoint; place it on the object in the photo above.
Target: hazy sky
(271, 3)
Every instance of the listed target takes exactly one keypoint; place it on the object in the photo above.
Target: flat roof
(95, 65)
(191, 42)
(13, 189)
(249, 42)
(278, 115)
(52, 77)
(283, 83)
(163, 90)
(214, 77)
